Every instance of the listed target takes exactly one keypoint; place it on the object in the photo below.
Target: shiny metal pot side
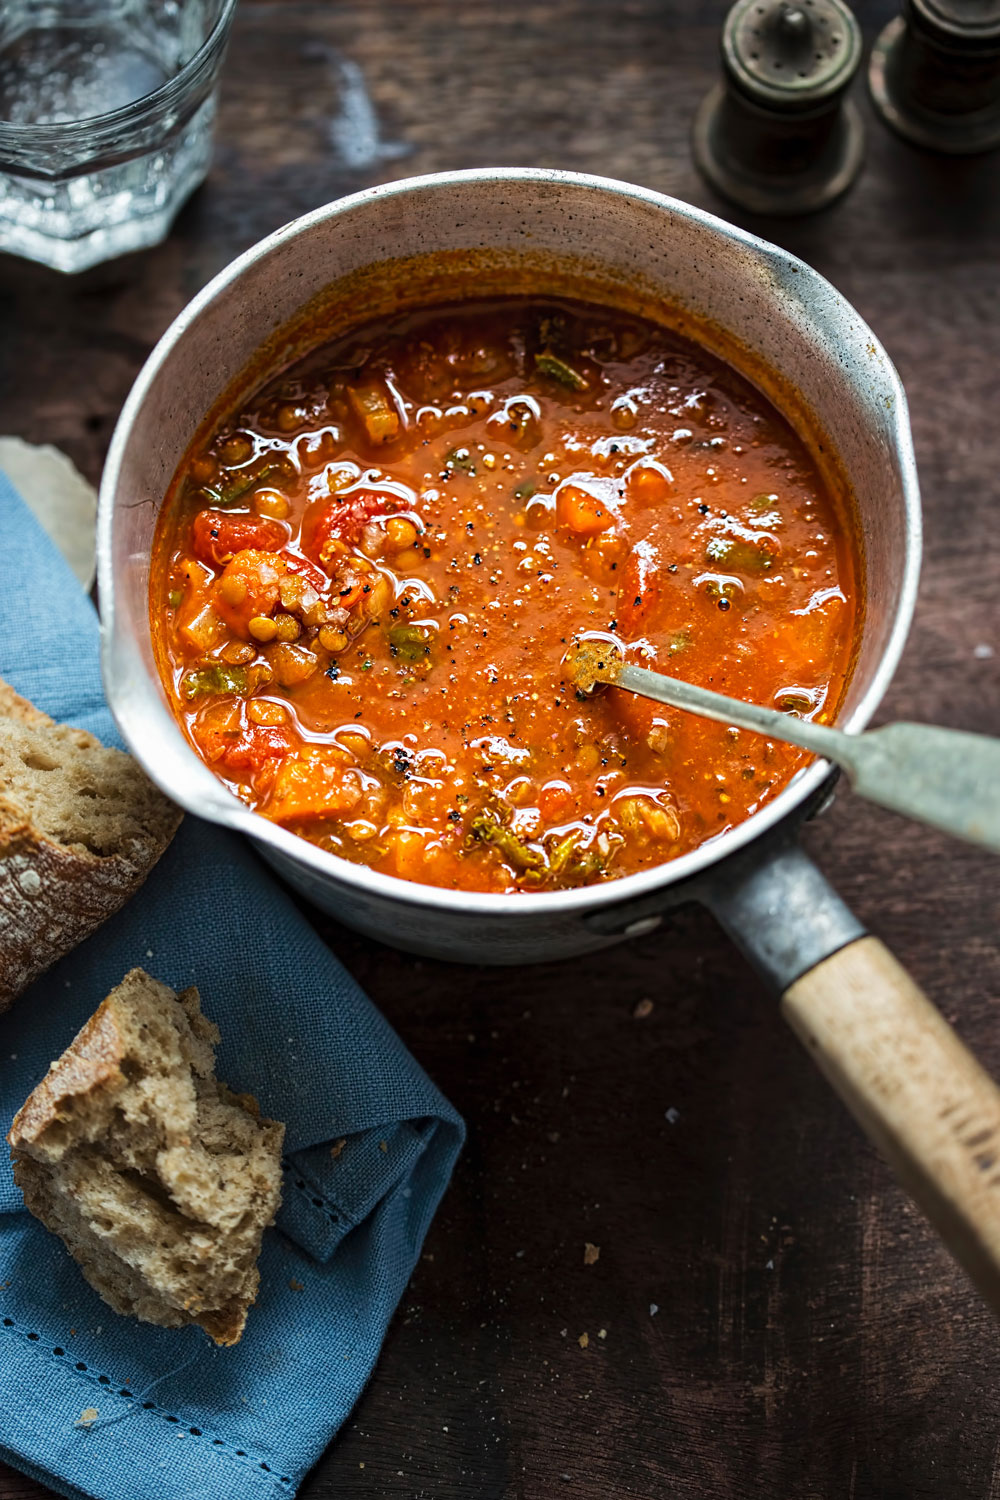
(795, 323)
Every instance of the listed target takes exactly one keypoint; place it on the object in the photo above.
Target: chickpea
(292, 664)
(356, 743)
(236, 449)
(232, 589)
(272, 503)
(360, 830)
(331, 639)
(263, 711)
(292, 591)
(288, 628)
(262, 628)
(400, 533)
(314, 611)
(237, 653)
(289, 416)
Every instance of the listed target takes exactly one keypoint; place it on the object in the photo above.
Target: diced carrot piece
(649, 483)
(312, 786)
(216, 536)
(248, 587)
(582, 512)
(372, 404)
(409, 853)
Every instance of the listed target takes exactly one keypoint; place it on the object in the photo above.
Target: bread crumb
(296, 1286)
(591, 1254)
(671, 1115)
(87, 1417)
(338, 1147)
(653, 1309)
(643, 1009)
(383, 1145)
(602, 1333)
(583, 1340)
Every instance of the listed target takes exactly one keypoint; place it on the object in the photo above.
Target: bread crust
(206, 1181)
(91, 1061)
(52, 896)
(13, 706)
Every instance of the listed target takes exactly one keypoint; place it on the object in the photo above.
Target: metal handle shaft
(944, 777)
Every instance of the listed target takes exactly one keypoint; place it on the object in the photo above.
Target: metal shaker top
(795, 54)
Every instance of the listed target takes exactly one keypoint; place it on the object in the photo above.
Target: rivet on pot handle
(913, 1086)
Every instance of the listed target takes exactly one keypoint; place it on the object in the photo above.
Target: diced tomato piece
(640, 589)
(258, 743)
(216, 536)
(344, 520)
(582, 512)
(314, 576)
(240, 748)
(248, 587)
(310, 787)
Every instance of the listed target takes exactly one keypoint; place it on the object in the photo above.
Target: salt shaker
(934, 74)
(777, 135)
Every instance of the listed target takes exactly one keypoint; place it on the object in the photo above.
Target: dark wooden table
(768, 1317)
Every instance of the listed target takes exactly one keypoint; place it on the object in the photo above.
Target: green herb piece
(744, 557)
(216, 678)
(679, 641)
(560, 856)
(763, 502)
(487, 828)
(547, 363)
(462, 459)
(239, 485)
(526, 490)
(410, 643)
(367, 664)
(175, 598)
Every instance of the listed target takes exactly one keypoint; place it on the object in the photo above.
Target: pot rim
(226, 809)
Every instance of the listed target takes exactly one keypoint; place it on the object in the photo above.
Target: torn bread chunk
(81, 826)
(159, 1180)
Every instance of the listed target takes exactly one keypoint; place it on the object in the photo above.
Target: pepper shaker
(934, 74)
(777, 135)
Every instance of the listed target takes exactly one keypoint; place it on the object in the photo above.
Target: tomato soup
(367, 583)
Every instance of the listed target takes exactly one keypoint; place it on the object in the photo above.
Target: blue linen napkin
(176, 1416)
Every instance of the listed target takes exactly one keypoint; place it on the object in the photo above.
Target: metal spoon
(944, 777)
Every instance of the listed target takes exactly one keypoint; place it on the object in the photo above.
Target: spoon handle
(944, 777)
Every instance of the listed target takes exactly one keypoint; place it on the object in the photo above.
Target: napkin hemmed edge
(117, 1444)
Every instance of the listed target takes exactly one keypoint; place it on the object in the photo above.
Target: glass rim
(137, 111)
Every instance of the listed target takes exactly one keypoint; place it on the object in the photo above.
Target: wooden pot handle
(917, 1091)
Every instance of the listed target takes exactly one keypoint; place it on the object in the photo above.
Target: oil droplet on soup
(367, 584)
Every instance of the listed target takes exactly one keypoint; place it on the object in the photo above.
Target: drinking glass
(106, 116)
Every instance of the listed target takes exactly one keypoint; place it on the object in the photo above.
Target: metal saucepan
(907, 1078)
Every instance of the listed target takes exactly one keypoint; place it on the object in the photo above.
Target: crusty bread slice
(81, 826)
(157, 1178)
